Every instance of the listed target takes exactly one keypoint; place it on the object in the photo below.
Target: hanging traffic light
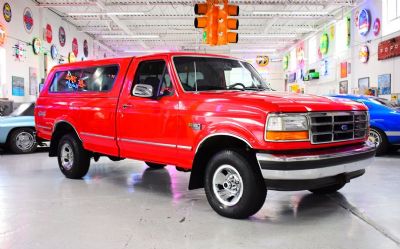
(225, 24)
(215, 22)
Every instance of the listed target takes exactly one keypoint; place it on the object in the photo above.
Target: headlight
(286, 127)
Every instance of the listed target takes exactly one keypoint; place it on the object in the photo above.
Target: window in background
(341, 28)
(390, 16)
(312, 50)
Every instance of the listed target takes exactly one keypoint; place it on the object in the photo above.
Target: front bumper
(314, 165)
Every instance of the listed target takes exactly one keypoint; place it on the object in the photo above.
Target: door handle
(125, 106)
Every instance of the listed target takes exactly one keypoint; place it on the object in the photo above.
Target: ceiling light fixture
(105, 13)
(129, 36)
(270, 36)
(146, 51)
(291, 13)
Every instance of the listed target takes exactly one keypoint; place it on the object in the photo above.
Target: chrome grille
(329, 127)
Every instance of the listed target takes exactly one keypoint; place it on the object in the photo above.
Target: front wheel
(234, 186)
(73, 159)
(379, 139)
(22, 141)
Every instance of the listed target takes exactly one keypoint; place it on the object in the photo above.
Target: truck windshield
(208, 73)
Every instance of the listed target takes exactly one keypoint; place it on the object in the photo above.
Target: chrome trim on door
(183, 147)
(147, 143)
(97, 135)
(43, 127)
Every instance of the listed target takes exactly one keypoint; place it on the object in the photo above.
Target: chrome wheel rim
(374, 138)
(227, 185)
(67, 156)
(24, 141)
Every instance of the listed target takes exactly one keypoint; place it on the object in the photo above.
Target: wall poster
(33, 81)
(343, 69)
(18, 86)
(344, 87)
(363, 85)
(384, 84)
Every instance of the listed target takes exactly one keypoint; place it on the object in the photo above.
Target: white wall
(371, 69)
(273, 74)
(11, 67)
(374, 67)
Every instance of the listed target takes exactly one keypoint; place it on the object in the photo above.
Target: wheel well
(209, 148)
(60, 130)
(16, 128)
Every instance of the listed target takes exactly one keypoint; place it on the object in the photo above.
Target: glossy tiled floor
(126, 205)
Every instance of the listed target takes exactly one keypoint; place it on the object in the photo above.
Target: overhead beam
(118, 22)
(191, 3)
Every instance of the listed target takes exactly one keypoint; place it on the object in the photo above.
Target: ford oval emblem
(344, 127)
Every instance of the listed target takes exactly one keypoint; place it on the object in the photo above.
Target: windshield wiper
(258, 88)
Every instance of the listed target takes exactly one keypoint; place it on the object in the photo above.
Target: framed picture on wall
(384, 84)
(363, 85)
(32, 80)
(18, 88)
(344, 87)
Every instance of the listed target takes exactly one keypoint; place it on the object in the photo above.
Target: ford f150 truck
(209, 114)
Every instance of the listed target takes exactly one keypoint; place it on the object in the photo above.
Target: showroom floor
(125, 205)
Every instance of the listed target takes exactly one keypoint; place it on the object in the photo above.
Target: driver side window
(154, 73)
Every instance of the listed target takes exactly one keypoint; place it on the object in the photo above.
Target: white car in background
(17, 131)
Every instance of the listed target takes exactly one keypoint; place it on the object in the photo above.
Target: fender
(65, 119)
(227, 129)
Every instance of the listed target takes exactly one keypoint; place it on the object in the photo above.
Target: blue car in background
(17, 131)
(384, 119)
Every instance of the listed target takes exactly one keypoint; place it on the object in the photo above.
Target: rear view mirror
(142, 90)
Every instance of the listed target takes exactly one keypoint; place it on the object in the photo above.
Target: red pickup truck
(209, 114)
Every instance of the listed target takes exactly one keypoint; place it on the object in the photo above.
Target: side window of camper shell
(93, 79)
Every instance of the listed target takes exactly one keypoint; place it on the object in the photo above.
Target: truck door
(147, 127)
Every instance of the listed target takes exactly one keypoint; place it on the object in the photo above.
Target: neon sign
(36, 45)
(7, 13)
(2, 34)
(364, 54)
(364, 22)
(285, 62)
(73, 81)
(324, 44)
(28, 20)
(377, 26)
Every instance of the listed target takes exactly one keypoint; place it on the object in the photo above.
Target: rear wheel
(233, 185)
(22, 141)
(73, 159)
(328, 190)
(378, 138)
(155, 165)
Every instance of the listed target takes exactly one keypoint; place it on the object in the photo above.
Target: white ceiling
(128, 26)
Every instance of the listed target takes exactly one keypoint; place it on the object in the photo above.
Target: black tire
(22, 141)
(155, 165)
(253, 187)
(383, 145)
(77, 166)
(327, 190)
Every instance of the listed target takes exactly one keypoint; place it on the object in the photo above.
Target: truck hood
(290, 102)
(10, 120)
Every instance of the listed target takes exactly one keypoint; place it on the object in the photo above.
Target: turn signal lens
(286, 135)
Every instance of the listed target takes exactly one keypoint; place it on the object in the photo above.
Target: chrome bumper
(317, 164)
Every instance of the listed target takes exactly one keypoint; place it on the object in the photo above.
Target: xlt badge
(195, 126)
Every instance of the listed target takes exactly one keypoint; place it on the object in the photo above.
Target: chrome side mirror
(143, 91)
